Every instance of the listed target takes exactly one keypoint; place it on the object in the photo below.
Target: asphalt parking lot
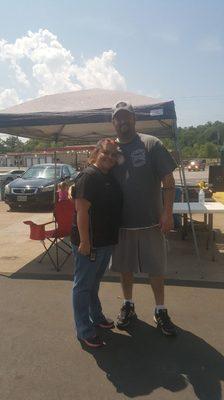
(192, 178)
(41, 358)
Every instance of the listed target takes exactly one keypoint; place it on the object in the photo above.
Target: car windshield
(44, 172)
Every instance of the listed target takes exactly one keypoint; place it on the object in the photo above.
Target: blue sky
(165, 49)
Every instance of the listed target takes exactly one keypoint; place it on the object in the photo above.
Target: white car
(9, 176)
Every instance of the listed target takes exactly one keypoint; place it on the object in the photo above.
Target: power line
(200, 97)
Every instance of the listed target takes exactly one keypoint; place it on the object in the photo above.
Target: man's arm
(166, 220)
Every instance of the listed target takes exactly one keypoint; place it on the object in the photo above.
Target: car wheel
(13, 208)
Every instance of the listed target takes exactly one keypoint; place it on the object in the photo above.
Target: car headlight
(47, 188)
(7, 189)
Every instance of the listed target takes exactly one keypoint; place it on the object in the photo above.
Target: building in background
(74, 155)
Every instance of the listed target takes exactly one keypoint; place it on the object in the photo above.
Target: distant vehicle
(36, 187)
(6, 177)
(197, 165)
(202, 164)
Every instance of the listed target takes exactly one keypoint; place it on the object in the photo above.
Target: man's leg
(127, 312)
(124, 261)
(127, 284)
(161, 316)
(157, 284)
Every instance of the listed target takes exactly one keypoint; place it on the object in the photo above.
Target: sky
(164, 49)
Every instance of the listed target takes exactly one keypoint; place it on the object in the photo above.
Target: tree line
(202, 141)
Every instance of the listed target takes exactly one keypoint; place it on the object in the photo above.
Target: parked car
(196, 165)
(202, 164)
(36, 186)
(6, 177)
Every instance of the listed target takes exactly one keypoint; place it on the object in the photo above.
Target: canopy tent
(85, 115)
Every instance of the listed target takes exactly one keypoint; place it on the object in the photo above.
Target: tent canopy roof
(85, 116)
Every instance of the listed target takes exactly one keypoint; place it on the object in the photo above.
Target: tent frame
(184, 186)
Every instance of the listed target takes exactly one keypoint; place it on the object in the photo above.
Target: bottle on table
(201, 196)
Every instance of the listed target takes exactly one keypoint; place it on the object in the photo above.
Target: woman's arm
(82, 208)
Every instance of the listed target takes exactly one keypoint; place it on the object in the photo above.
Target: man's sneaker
(93, 342)
(164, 322)
(106, 323)
(126, 316)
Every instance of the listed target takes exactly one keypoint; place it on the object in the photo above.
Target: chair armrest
(33, 223)
(48, 223)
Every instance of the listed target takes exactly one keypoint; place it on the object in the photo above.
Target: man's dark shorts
(140, 250)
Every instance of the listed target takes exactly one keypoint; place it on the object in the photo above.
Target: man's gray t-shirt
(142, 165)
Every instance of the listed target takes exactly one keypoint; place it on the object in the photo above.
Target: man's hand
(166, 222)
(84, 248)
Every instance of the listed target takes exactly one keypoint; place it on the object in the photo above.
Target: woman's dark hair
(99, 146)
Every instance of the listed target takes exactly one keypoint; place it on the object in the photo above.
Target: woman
(98, 203)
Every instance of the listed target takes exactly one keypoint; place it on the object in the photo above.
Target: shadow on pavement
(143, 361)
(35, 271)
(179, 263)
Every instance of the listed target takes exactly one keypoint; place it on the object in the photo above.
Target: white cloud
(8, 98)
(41, 65)
(11, 55)
(211, 44)
(100, 72)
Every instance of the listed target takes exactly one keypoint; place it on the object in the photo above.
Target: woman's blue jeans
(86, 304)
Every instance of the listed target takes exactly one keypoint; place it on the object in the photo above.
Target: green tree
(13, 144)
(2, 147)
(187, 152)
(211, 150)
(202, 152)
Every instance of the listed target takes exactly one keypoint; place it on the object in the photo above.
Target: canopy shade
(85, 116)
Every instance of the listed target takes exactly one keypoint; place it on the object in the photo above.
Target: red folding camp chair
(63, 214)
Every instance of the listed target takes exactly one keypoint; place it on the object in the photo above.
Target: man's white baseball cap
(122, 105)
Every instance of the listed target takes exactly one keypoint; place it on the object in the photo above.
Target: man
(144, 164)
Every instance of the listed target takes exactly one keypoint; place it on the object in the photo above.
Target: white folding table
(208, 209)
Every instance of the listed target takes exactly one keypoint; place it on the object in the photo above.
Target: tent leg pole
(56, 137)
(183, 180)
(55, 166)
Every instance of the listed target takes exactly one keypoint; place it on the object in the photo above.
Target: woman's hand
(84, 248)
